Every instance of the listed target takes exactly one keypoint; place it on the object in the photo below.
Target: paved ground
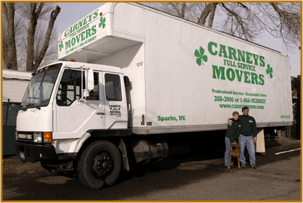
(187, 176)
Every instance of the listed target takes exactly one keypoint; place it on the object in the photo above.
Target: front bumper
(31, 152)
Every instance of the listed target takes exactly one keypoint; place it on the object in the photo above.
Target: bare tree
(34, 47)
(240, 21)
(34, 14)
(188, 11)
(51, 53)
(283, 21)
(9, 43)
(209, 10)
(245, 20)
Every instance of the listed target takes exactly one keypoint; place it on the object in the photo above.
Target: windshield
(39, 90)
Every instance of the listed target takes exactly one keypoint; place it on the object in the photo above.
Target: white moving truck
(129, 78)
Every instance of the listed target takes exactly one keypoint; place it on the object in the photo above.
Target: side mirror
(126, 81)
(90, 79)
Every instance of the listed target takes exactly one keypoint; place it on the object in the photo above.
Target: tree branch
(243, 6)
(183, 10)
(239, 20)
(39, 9)
(176, 9)
(204, 14)
(289, 24)
(212, 15)
(10, 57)
(31, 37)
(53, 17)
(5, 10)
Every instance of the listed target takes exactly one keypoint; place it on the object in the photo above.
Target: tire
(99, 164)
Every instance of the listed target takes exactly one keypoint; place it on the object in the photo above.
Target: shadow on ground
(191, 162)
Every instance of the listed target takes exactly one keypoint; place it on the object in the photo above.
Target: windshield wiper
(24, 108)
(32, 105)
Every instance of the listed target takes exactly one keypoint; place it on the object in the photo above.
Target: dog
(234, 152)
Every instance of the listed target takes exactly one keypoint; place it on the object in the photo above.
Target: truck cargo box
(184, 77)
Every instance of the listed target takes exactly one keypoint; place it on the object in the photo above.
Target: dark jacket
(233, 130)
(248, 126)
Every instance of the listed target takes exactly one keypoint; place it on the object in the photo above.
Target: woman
(232, 135)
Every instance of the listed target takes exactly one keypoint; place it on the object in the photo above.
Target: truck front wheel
(99, 164)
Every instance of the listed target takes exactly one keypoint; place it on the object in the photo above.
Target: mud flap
(123, 150)
(260, 144)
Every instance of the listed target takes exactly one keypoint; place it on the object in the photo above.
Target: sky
(72, 12)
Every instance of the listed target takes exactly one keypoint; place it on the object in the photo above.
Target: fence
(10, 111)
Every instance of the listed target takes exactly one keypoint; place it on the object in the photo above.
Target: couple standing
(242, 129)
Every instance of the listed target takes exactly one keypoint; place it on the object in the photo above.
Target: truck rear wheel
(99, 164)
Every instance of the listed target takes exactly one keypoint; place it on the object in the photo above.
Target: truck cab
(66, 102)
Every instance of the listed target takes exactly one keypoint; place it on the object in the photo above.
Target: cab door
(73, 116)
(115, 101)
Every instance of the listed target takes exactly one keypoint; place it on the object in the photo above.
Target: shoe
(243, 165)
(253, 166)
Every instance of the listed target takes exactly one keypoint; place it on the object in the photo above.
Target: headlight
(38, 137)
(24, 136)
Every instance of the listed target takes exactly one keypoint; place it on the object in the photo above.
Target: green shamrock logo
(102, 22)
(269, 71)
(200, 56)
(61, 46)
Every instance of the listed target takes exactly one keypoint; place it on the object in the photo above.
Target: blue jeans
(226, 155)
(247, 141)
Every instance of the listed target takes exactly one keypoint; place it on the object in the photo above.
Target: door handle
(100, 113)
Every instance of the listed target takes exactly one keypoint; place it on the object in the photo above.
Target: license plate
(22, 156)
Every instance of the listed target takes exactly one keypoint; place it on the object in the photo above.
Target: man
(247, 137)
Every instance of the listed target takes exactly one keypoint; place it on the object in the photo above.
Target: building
(14, 84)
